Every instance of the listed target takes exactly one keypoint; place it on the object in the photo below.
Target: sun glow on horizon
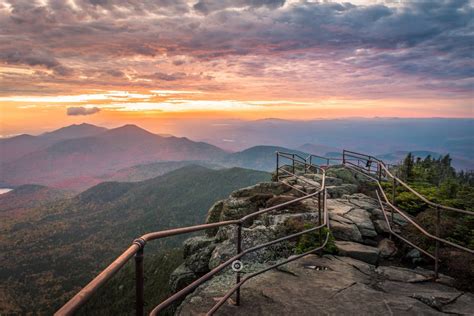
(232, 59)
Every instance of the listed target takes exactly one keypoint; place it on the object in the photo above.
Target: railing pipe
(277, 165)
(397, 235)
(319, 216)
(85, 294)
(293, 163)
(139, 283)
(438, 222)
(188, 289)
(239, 251)
(250, 276)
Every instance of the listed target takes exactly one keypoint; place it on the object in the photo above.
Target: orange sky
(117, 63)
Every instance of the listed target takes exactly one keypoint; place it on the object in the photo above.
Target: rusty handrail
(84, 295)
(210, 274)
(411, 221)
(183, 292)
(293, 258)
(138, 244)
(437, 239)
(383, 167)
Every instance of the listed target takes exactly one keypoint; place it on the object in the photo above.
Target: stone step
(358, 251)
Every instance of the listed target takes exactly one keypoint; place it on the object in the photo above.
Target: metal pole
(438, 220)
(394, 192)
(139, 283)
(319, 219)
(277, 165)
(293, 163)
(239, 250)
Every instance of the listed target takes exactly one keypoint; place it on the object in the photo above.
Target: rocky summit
(359, 272)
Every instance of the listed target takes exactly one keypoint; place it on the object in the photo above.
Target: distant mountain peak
(130, 129)
(74, 131)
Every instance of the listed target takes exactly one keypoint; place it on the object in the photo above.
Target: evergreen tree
(407, 167)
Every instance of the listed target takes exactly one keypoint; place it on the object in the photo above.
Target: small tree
(407, 167)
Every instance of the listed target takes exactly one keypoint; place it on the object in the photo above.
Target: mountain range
(62, 160)
(80, 156)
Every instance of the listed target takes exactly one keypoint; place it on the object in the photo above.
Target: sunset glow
(113, 62)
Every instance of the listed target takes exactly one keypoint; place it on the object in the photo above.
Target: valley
(54, 248)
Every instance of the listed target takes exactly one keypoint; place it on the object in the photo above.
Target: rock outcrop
(334, 285)
(350, 281)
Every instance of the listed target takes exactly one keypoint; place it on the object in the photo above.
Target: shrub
(310, 240)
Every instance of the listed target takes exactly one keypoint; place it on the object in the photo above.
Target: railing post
(319, 219)
(139, 283)
(293, 163)
(394, 192)
(239, 250)
(438, 220)
(343, 157)
(277, 165)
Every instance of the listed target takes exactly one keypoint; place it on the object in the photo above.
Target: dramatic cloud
(80, 110)
(271, 49)
(207, 6)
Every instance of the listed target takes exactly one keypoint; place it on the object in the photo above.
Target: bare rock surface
(358, 251)
(332, 285)
(347, 284)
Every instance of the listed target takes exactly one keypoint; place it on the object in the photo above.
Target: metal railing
(383, 172)
(355, 161)
(329, 160)
(136, 250)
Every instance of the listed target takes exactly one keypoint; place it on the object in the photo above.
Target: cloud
(316, 47)
(208, 6)
(80, 110)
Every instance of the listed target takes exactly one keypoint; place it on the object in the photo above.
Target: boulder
(344, 174)
(338, 206)
(345, 231)
(340, 190)
(381, 226)
(181, 277)
(235, 208)
(362, 219)
(213, 216)
(221, 253)
(274, 188)
(251, 237)
(387, 248)
(363, 201)
(329, 180)
(191, 245)
(280, 219)
(358, 251)
(198, 262)
(296, 207)
(414, 256)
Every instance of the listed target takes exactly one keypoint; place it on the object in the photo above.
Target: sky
(153, 62)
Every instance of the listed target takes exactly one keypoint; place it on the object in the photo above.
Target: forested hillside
(59, 247)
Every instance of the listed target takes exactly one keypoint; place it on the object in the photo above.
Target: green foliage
(438, 182)
(310, 240)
